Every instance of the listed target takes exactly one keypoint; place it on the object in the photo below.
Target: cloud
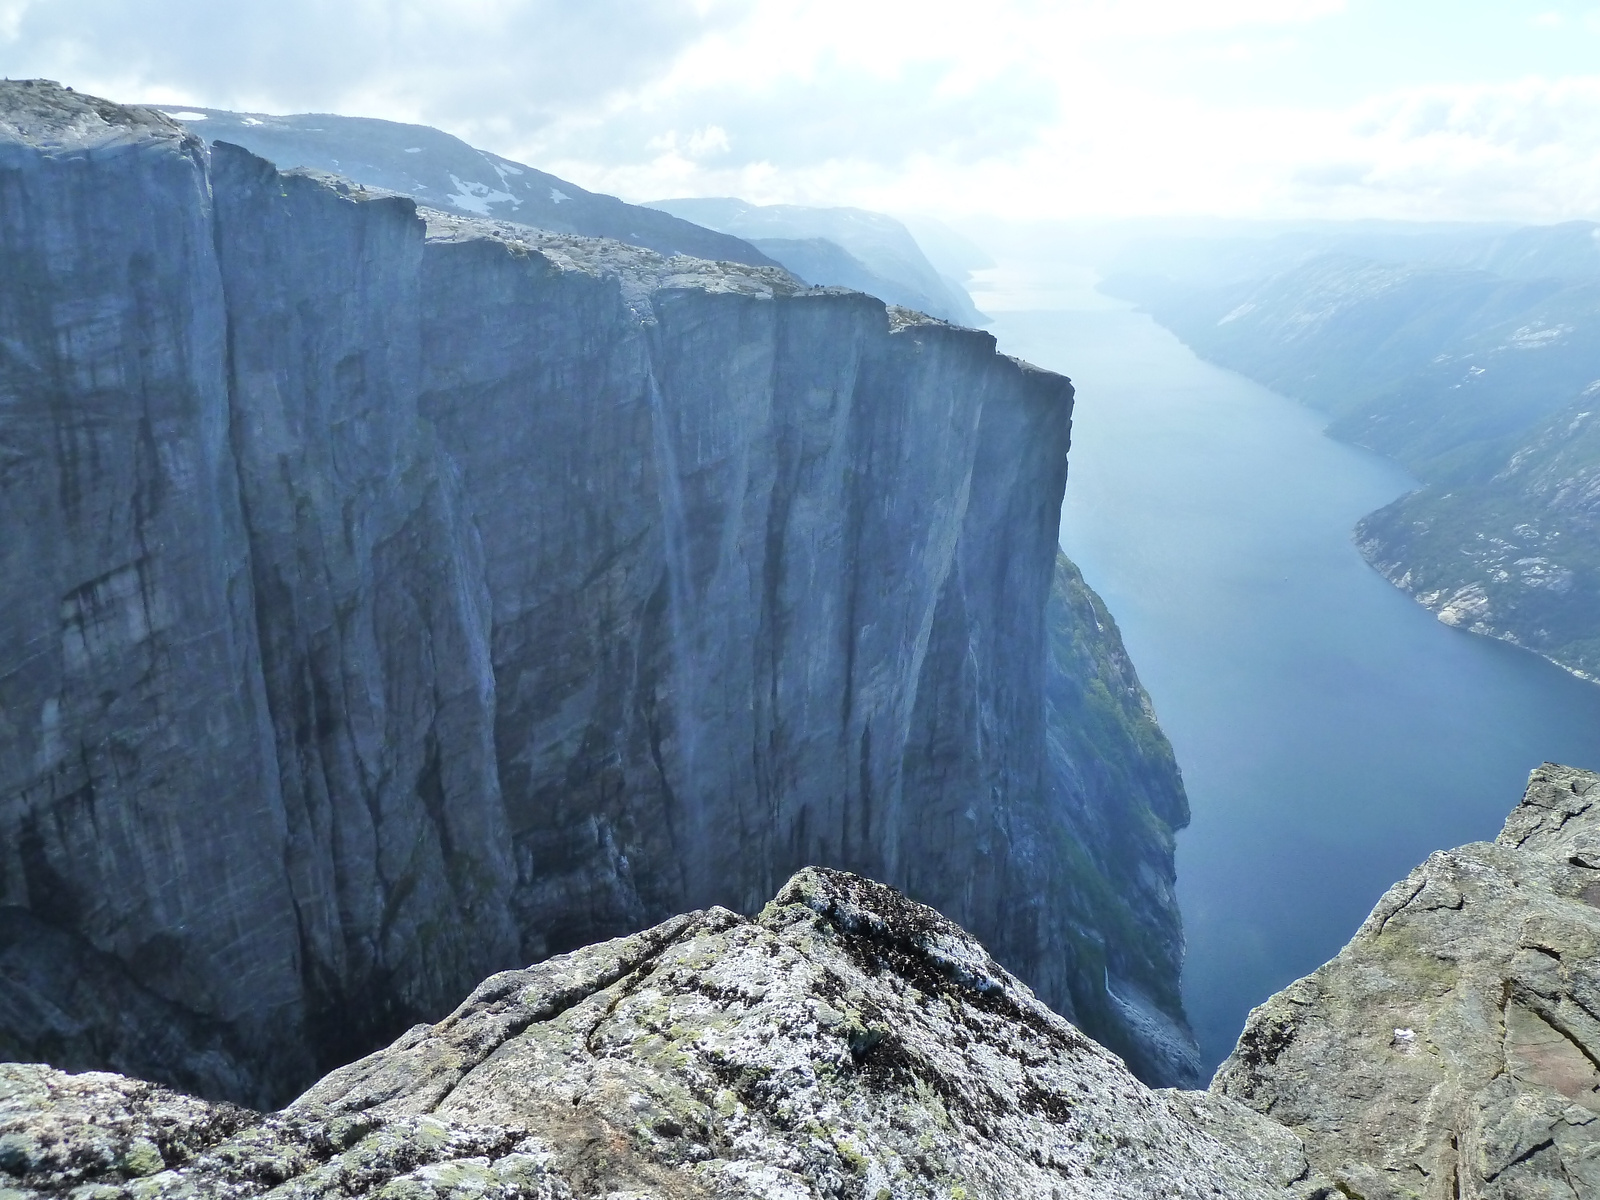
(1528, 150)
(507, 64)
(1027, 108)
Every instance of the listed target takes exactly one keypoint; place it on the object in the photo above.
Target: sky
(1285, 109)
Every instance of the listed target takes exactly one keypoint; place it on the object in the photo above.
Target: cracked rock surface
(846, 1042)
(1450, 1050)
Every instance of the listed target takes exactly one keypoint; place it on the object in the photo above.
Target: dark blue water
(1332, 733)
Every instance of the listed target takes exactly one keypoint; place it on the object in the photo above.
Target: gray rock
(844, 1043)
(139, 798)
(389, 600)
(1450, 1049)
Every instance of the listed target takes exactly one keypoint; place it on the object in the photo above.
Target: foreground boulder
(846, 1042)
(1450, 1050)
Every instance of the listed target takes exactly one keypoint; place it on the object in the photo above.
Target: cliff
(394, 600)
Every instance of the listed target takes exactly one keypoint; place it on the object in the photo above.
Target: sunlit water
(1331, 732)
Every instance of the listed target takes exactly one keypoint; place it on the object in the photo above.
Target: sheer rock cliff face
(386, 604)
(843, 1043)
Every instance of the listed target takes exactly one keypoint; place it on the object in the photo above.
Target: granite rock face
(135, 733)
(1450, 1049)
(391, 600)
(845, 1042)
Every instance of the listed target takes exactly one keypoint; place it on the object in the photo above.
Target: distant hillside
(876, 253)
(1482, 382)
(444, 172)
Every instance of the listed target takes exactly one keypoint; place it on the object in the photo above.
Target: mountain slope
(900, 272)
(1480, 384)
(437, 169)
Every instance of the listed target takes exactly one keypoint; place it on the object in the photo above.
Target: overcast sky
(1280, 108)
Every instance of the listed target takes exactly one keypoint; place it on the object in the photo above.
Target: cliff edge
(390, 598)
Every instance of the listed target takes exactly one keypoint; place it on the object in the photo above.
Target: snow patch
(557, 196)
(1242, 310)
(477, 197)
(184, 116)
(413, 149)
(1534, 337)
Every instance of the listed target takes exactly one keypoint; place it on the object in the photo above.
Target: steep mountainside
(1481, 384)
(1516, 557)
(389, 601)
(877, 250)
(443, 171)
(1113, 779)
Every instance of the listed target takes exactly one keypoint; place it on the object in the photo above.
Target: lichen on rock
(846, 1042)
(1450, 1049)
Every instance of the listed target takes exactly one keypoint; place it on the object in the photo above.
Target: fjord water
(1331, 732)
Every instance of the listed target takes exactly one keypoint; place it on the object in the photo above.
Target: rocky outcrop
(1450, 1049)
(844, 1043)
(395, 599)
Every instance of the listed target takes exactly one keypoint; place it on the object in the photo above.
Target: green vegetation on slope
(1118, 799)
(1516, 557)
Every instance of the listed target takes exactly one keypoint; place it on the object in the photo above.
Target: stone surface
(134, 727)
(844, 1043)
(391, 599)
(1450, 1049)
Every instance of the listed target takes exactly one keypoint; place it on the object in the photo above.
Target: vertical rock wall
(385, 605)
(139, 804)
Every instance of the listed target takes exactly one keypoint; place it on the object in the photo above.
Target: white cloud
(1026, 108)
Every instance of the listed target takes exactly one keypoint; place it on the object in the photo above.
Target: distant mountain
(1431, 366)
(1567, 251)
(1482, 382)
(877, 250)
(444, 172)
